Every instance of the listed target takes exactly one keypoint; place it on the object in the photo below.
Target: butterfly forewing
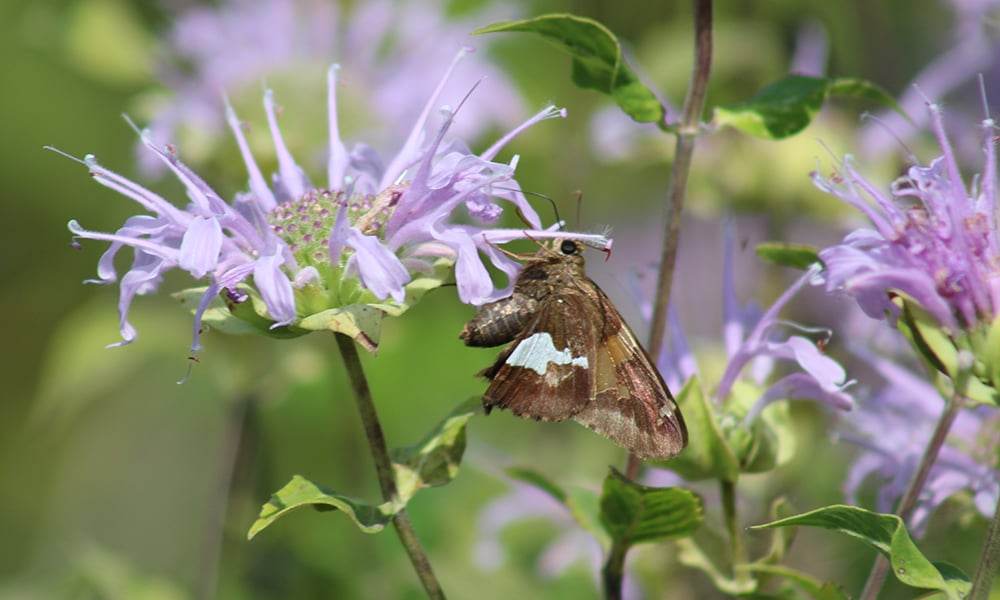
(546, 370)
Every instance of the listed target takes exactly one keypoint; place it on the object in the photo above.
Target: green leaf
(927, 336)
(816, 589)
(690, 554)
(432, 462)
(991, 355)
(633, 513)
(581, 503)
(708, 454)
(435, 460)
(798, 256)
(246, 318)
(598, 63)
(783, 538)
(301, 492)
(888, 535)
(539, 481)
(788, 105)
(360, 320)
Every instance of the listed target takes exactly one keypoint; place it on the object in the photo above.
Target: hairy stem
(215, 517)
(383, 465)
(614, 572)
(909, 501)
(688, 128)
(738, 552)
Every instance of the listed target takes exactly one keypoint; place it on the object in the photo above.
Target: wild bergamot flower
(233, 45)
(289, 257)
(931, 261)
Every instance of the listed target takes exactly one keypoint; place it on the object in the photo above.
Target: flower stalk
(909, 500)
(383, 466)
(738, 551)
(687, 132)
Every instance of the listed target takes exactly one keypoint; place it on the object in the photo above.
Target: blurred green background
(115, 476)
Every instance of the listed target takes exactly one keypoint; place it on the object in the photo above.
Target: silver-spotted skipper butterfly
(573, 357)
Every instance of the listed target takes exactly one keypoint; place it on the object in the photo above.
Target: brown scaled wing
(620, 395)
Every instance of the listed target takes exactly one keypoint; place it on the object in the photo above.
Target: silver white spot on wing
(537, 351)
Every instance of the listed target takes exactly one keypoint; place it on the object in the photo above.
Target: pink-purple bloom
(392, 45)
(932, 238)
(379, 226)
(755, 341)
(893, 427)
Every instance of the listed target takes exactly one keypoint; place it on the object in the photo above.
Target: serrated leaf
(434, 461)
(788, 105)
(708, 454)
(798, 256)
(888, 535)
(598, 63)
(301, 492)
(633, 513)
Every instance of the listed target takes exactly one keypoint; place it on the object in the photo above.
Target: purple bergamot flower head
(233, 45)
(930, 262)
(295, 257)
(892, 428)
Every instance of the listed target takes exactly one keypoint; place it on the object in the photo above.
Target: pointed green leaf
(708, 455)
(888, 535)
(536, 479)
(598, 63)
(585, 507)
(435, 460)
(361, 319)
(633, 513)
(927, 336)
(246, 318)
(582, 503)
(782, 538)
(788, 105)
(816, 589)
(991, 354)
(798, 256)
(690, 554)
(301, 492)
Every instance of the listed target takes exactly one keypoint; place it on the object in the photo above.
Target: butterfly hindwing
(631, 404)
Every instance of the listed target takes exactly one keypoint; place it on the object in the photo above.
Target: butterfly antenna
(555, 209)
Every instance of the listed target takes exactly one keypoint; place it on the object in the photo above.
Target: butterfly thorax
(552, 268)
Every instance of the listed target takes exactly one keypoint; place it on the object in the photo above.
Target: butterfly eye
(568, 247)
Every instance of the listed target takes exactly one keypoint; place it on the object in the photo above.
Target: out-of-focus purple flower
(753, 339)
(388, 47)
(933, 238)
(893, 427)
(360, 241)
(974, 52)
(571, 546)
